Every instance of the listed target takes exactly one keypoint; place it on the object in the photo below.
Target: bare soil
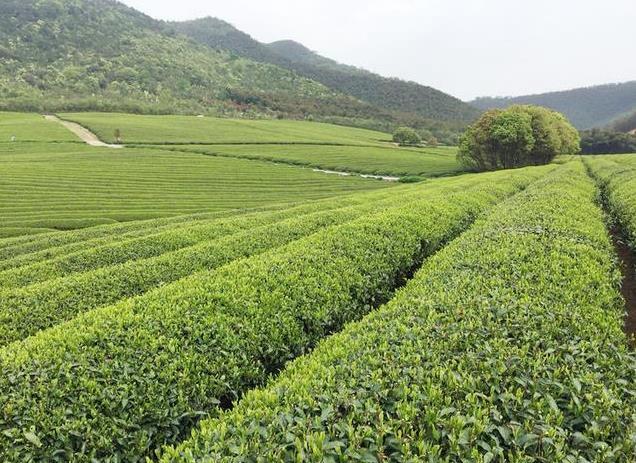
(628, 286)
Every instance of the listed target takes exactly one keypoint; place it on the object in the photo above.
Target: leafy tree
(518, 136)
(406, 136)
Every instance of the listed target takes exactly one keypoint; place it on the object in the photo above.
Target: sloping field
(321, 146)
(140, 373)
(506, 346)
(31, 127)
(66, 186)
(210, 130)
(384, 160)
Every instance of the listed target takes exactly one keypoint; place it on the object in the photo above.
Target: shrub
(496, 351)
(405, 136)
(117, 382)
(411, 179)
(24, 311)
(597, 141)
(521, 135)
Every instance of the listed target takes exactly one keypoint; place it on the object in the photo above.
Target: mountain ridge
(586, 107)
(388, 93)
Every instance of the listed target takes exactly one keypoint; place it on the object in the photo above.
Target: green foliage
(394, 95)
(586, 107)
(72, 283)
(21, 127)
(83, 55)
(597, 141)
(617, 178)
(101, 55)
(497, 350)
(384, 160)
(27, 248)
(311, 144)
(411, 179)
(406, 136)
(211, 130)
(135, 375)
(517, 136)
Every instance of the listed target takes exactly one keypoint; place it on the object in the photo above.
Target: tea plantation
(204, 295)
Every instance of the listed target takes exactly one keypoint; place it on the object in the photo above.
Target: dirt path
(83, 133)
(627, 261)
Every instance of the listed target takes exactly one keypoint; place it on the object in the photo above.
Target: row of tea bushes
(25, 311)
(506, 346)
(59, 262)
(617, 178)
(116, 383)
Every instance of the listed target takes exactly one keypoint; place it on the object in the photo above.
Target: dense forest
(392, 94)
(102, 55)
(586, 107)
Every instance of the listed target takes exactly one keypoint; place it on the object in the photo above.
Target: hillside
(100, 54)
(586, 107)
(387, 93)
(626, 123)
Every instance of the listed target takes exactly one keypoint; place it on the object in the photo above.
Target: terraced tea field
(308, 144)
(207, 299)
(209, 130)
(63, 184)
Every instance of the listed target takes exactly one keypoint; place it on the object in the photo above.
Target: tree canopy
(519, 136)
(406, 136)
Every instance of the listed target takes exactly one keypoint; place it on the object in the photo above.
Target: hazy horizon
(466, 48)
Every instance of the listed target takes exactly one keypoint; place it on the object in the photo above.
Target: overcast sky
(467, 48)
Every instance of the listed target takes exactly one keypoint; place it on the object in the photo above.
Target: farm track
(627, 260)
(82, 132)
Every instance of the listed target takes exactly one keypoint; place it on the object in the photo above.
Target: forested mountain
(386, 93)
(626, 123)
(586, 107)
(100, 54)
(103, 55)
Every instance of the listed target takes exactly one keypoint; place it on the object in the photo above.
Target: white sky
(467, 48)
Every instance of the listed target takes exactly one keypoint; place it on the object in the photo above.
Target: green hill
(387, 93)
(100, 54)
(626, 123)
(586, 107)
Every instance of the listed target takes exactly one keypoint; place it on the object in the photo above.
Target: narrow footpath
(626, 261)
(83, 133)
